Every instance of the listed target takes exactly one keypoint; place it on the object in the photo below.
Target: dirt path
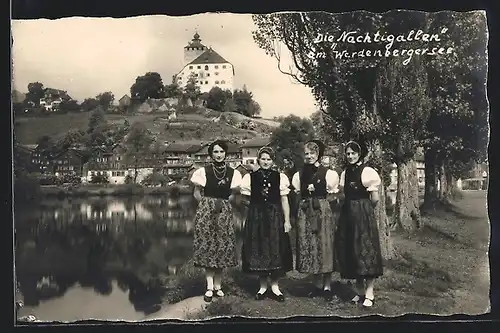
(473, 296)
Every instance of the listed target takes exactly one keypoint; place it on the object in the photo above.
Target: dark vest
(216, 188)
(353, 186)
(318, 181)
(258, 183)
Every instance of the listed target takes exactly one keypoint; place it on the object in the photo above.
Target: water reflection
(71, 253)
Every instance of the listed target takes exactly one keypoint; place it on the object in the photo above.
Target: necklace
(220, 175)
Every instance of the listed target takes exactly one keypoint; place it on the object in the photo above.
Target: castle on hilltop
(208, 67)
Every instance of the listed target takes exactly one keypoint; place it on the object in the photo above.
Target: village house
(124, 102)
(179, 157)
(24, 158)
(108, 161)
(233, 155)
(53, 97)
(250, 149)
(68, 162)
(180, 152)
(41, 159)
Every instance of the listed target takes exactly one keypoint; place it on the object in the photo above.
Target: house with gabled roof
(250, 148)
(233, 155)
(206, 66)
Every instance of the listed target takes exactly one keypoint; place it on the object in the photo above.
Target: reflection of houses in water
(117, 209)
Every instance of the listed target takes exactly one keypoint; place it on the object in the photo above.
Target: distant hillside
(204, 124)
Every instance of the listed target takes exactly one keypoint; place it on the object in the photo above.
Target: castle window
(206, 67)
(217, 82)
(208, 74)
(222, 82)
(206, 82)
(190, 67)
(201, 82)
(216, 66)
(216, 73)
(199, 67)
(223, 66)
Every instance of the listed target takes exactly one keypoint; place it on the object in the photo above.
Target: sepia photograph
(262, 166)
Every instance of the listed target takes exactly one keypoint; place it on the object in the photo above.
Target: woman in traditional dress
(266, 249)
(316, 187)
(358, 244)
(214, 232)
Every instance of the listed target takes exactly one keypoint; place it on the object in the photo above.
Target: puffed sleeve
(342, 179)
(245, 186)
(370, 179)
(296, 182)
(284, 184)
(332, 181)
(236, 181)
(199, 177)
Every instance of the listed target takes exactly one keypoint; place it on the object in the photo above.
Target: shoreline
(112, 190)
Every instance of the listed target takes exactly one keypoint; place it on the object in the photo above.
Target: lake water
(100, 258)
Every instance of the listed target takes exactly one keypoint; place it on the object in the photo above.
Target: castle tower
(194, 49)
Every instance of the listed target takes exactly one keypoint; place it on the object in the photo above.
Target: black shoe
(279, 298)
(327, 295)
(206, 298)
(260, 296)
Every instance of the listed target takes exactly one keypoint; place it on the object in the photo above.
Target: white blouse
(199, 178)
(331, 178)
(246, 187)
(369, 178)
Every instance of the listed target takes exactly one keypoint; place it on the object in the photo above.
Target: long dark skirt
(315, 244)
(214, 241)
(357, 241)
(266, 247)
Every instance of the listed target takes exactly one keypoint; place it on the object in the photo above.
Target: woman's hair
(266, 150)
(357, 148)
(220, 143)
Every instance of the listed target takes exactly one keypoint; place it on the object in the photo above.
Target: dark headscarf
(265, 150)
(220, 143)
(359, 148)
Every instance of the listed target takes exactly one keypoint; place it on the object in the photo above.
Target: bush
(72, 179)
(99, 179)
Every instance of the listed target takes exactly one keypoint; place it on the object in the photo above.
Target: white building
(207, 66)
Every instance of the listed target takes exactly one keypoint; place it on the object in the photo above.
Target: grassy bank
(112, 190)
(439, 270)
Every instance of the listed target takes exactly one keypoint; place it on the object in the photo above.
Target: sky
(87, 56)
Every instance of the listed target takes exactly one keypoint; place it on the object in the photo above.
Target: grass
(194, 126)
(30, 129)
(435, 272)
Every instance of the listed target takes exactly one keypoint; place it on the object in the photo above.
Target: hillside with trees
(198, 116)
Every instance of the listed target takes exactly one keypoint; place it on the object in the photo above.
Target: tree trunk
(431, 189)
(384, 225)
(443, 184)
(407, 211)
(448, 185)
